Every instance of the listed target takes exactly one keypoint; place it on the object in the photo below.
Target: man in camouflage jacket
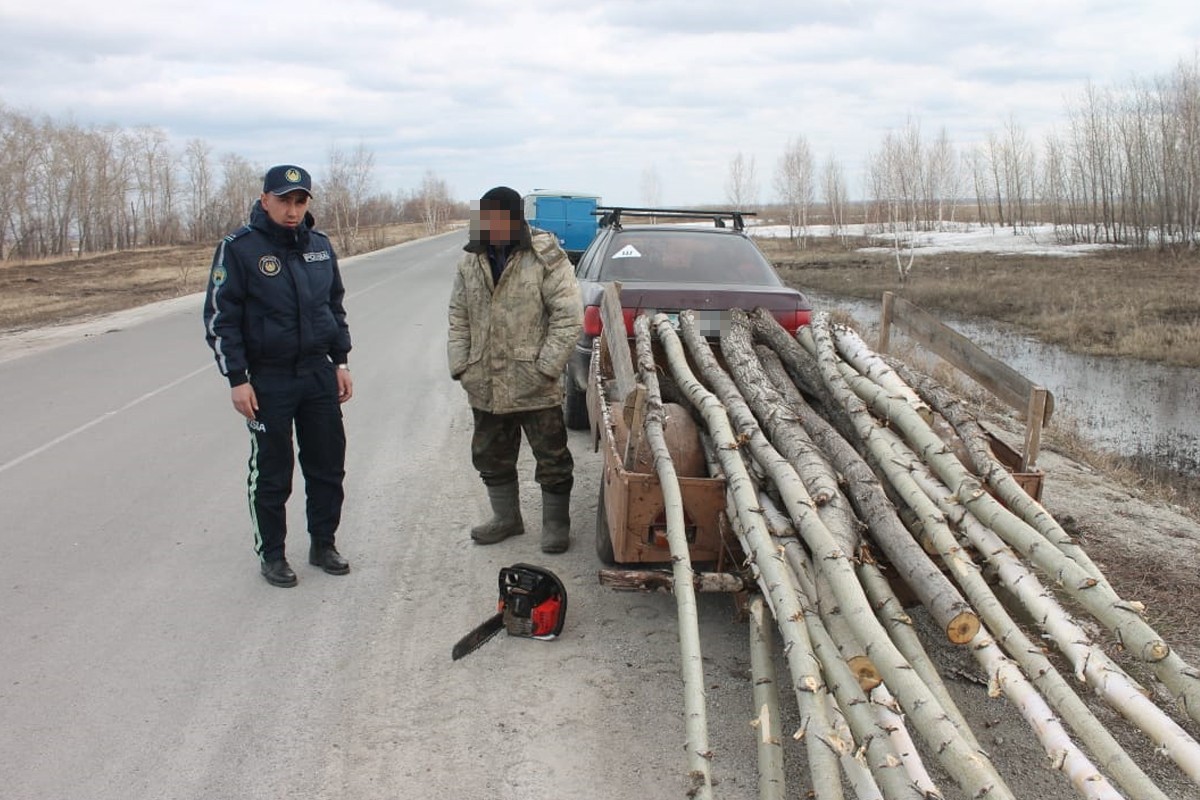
(515, 314)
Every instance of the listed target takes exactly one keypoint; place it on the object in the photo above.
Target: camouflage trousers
(497, 442)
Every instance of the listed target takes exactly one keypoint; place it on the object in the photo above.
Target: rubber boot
(556, 522)
(506, 515)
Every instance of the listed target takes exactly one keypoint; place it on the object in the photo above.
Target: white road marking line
(69, 434)
(106, 415)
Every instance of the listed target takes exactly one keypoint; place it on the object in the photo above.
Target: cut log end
(1156, 651)
(866, 673)
(963, 627)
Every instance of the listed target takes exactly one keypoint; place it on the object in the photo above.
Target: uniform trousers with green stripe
(308, 403)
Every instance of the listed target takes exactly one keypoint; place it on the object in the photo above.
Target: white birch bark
(870, 365)
(768, 732)
(971, 769)
(823, 744)
(1090, 588)
(879, 444)
(887, 723)
(691, 659)
(1091, 664)
(936, 593)
(875, 747)
(899, 626)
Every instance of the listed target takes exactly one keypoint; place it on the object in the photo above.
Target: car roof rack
(610, 216)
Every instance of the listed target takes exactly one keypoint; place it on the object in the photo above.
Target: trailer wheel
(575, 412)
(604, 545)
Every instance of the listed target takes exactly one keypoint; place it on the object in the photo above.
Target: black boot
(328, 558)
(278, 573)
(556, 522)
(506, 515)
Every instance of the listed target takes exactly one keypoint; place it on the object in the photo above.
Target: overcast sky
(586, 95)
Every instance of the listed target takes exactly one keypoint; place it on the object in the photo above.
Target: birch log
(1092, 590)
(875, 748)
(971, 769)
(927, 582)
(801, 367)
(899, 626)
(691, 659)
(862, 783)
(766, 706)
(1092, 665)
(935, 527)
(993, 473)
(824, 744)
(1065, 755)
(871, 365)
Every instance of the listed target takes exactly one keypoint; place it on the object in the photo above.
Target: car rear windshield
(681, 256)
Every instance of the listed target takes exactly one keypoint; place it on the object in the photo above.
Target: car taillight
(793, 320)
(593, 323)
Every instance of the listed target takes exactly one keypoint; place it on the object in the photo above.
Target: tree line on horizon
(1124, 169)
(75, 190)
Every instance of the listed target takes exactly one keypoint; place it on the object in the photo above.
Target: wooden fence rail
(999, 378)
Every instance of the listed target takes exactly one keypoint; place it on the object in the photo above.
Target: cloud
(584, 95)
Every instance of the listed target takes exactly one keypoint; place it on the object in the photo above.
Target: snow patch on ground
(958, 238)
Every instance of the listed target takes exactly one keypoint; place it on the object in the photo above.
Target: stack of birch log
(833, 468)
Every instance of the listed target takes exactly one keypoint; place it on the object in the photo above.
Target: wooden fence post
(1034, 420)
(885, 322)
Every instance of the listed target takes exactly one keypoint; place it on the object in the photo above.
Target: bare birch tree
(794, 179)
(1020, 164)
(741, 187)
(651, 187)
(895, 175)
(833, 184)
(434, 201)
(198, 167)
(943, 180)
(344, 191)
(241, 184)
(152, 201)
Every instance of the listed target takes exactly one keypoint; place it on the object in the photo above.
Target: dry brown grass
(1119, 302)
(48, 292)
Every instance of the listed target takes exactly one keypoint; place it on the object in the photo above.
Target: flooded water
(1146, 411)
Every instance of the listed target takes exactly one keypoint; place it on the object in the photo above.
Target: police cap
(287, 178)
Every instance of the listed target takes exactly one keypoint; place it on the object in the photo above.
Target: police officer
(515, 314)
(274, 319)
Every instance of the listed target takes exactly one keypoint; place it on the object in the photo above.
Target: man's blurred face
(286, 209)
(497, 226)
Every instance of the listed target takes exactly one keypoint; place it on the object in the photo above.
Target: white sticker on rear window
(628, 251)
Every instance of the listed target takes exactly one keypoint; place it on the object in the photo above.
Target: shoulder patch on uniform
(219, 275)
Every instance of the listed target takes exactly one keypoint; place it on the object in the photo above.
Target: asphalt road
(142, 655)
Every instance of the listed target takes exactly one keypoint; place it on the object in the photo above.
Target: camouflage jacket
(509, 343)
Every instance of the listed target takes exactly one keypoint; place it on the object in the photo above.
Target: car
(666, 265)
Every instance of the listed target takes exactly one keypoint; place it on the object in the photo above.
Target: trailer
(630, 512)
(568, 215)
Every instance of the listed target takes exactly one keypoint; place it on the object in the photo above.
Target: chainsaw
(532, 604)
